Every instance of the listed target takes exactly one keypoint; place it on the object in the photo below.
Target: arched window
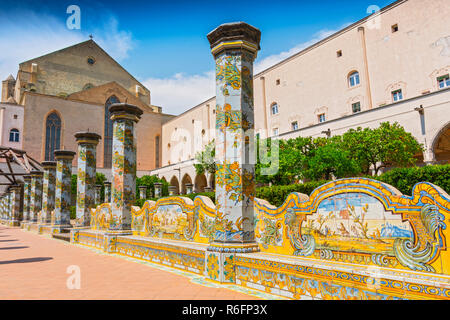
(52, 135)
(353, 79)
(14, 135)
(157, 152)
(108, 133)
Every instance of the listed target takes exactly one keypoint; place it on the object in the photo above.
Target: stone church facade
(67, 91)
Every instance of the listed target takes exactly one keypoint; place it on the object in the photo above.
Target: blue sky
(163, 43)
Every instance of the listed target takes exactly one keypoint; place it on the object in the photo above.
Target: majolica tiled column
(86, 176)
(234, 47)
(124, 117)
(36, 195)
(142, 192)
(98, 194)
(107, 191)
(158, 189)
(63, 190)
(26, 198)
(172, 190)
(15, 205)
(2, 207)
(8, 204)
(48, 191)
(189, 188)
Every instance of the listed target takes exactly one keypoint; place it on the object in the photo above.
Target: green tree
(328, 158)
(150, 181)
(292, 156)
(205, 160)
(387, 145)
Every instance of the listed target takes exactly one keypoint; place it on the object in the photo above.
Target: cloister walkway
(34, 266)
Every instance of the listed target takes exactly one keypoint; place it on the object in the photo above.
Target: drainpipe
(263, 79)
(362, 35)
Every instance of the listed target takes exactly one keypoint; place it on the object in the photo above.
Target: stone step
(62, 236)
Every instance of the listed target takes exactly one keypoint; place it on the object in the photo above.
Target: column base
(220, 260)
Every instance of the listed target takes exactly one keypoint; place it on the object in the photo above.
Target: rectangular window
(356, 107)
(394, 28)
(339, 53)
(275, 131)
(397, 95)
(294, 125)
(444, 81)
(321, 117)
(274, 108)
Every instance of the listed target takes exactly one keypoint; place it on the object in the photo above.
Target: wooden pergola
(14, 164)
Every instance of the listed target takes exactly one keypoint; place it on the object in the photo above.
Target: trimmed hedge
(276, 195)
(404, 179)
(211, 195)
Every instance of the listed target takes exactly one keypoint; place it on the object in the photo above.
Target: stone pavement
(35, 267)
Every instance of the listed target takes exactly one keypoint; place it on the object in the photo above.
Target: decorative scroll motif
(362, 221)
(416, 255)
(228, 73)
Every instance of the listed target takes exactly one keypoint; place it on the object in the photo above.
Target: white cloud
(29, 35)
(180, 92)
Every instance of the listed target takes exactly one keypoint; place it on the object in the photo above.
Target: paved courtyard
(35, 267)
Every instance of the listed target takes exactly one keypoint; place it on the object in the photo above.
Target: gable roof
(99, 95)
(82, 44)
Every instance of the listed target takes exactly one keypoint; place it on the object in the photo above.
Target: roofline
(189, 110)
(80, 43)
(332, 36)
(58, 97)
(386, 106)
(313, 46)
